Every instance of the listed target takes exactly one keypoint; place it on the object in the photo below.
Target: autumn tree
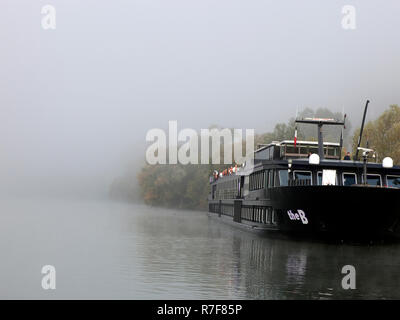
(382, 135)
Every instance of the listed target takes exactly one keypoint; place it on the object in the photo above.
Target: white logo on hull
(299, 215)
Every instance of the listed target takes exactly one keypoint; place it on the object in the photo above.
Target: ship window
(269, 215)
(262, 179)
(246, 186)
(274, 220)
(290, 149)
(257, 180)
(303, 150)
(271, 178)
(349, 179)
(319, 179)
(331, 152)
(302, 175)
(283, 178)
(393, 181)
(374, 180)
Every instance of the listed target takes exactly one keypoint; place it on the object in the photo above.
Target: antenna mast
(320, 122)
(362, 128)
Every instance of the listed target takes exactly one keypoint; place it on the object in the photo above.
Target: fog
(76, 102)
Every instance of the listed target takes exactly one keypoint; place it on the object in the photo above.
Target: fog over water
(76, 102)
(109, 250)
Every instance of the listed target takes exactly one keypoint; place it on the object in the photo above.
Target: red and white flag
(295, 137)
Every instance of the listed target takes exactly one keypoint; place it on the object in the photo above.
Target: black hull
(337, 212)
(356, 212)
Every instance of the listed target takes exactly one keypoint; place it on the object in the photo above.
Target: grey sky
(76, 102)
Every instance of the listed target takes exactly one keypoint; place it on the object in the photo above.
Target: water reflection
(191, 255)
(123, 251)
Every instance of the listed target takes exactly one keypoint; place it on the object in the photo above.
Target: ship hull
(356, 212)
(338, 212)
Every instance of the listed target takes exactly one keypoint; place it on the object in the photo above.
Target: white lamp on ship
(387, 162)
(313, 159)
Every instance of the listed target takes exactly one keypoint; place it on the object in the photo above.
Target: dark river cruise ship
(304, 188)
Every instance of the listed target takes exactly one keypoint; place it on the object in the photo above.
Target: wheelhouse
(287, 149)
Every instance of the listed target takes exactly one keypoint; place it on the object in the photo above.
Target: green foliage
(178, 186)
(382, 135)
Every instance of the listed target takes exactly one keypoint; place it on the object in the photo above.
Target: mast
(320, 122)
(341, 133)
(362, 128)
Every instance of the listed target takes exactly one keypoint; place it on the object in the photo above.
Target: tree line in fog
(187, 186)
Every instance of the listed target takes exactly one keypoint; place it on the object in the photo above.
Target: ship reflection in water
(202, 257)
(123, 251)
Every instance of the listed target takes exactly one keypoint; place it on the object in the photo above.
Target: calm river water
(108, 250)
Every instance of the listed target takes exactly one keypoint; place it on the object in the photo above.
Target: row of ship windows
(259, 214)
(226, 190)
(348, 178)
(261, 179)
(265, 178)
(255, 214)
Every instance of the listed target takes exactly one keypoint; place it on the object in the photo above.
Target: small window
(271, 178)
(283, 178)
(274, 217)
(269, 215)
(349, 179)
(257, 181)
(302, 175)
(291, 149)
(303, 150)
(261, 179)
(319, 179)
(331, 152)
(246, 186)
(374, 180)
(393, 181)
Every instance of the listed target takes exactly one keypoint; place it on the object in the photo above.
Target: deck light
(387, 162)
(314, 159)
